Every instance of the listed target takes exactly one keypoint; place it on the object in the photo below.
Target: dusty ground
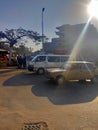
(29, 98)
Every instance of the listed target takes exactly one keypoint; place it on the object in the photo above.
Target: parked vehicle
(40, 62)
(73, 70)
(4, 57)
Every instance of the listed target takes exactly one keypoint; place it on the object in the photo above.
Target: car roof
(80, 62)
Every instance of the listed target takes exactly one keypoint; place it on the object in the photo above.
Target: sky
(27, 14)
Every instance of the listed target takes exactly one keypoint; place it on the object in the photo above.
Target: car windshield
(65, 65)
(70, 66)
(39, 41)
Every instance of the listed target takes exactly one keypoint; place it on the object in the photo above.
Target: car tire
(40, 71)
(60, 80)
(82, 81)
(93, 80)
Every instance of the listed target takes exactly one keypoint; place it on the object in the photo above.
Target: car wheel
(82, 81)
(41, 71)
(93, 80)
(60, 80)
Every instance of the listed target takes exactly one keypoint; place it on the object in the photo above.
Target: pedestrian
(24, 61)
(19, 61)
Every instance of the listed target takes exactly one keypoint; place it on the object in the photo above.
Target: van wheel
(41, 71)
(60, 80)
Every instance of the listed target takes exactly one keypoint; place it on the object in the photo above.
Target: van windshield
(34, 59)
(40, 59)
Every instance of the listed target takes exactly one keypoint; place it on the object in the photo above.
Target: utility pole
(43, 9)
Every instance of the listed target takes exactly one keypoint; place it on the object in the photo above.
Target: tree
(14, 35)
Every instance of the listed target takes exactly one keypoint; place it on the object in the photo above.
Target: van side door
(53, 61)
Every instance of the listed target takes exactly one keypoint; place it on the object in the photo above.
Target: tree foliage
(13, 35)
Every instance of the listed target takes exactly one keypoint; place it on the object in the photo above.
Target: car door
(86, 71)
(73, 71)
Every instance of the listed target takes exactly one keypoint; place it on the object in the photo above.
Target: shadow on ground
(21, 79)
(6, 71)
(70, 93)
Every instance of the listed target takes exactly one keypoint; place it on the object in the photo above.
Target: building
(48, 47)
(77, 39)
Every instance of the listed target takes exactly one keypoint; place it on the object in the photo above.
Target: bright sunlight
(93, 8)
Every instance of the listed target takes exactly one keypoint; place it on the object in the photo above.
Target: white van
(41, 62)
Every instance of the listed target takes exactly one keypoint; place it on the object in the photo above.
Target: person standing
(24, 61)
(19, 61)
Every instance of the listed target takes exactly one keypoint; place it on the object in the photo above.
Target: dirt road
(28, 98)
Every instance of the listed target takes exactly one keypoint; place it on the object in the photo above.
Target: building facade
(75, 39)
(79, 38)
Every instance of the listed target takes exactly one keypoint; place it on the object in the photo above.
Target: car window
(87, 66)
(92, 66)
(74, 67)
(83, 66)
(71, 66)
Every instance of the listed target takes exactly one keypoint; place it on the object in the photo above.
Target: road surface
(29, 98)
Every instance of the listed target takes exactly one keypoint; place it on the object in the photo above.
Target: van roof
(51, 55)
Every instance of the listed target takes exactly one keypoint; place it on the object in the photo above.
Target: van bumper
(30, 68)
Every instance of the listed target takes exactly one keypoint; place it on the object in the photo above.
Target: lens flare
(75, 51)
(93, 8)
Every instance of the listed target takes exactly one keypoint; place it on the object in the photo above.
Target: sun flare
(93, 8)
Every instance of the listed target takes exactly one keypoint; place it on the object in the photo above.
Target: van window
(40, 59)
(53, 58)
(64, 58)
